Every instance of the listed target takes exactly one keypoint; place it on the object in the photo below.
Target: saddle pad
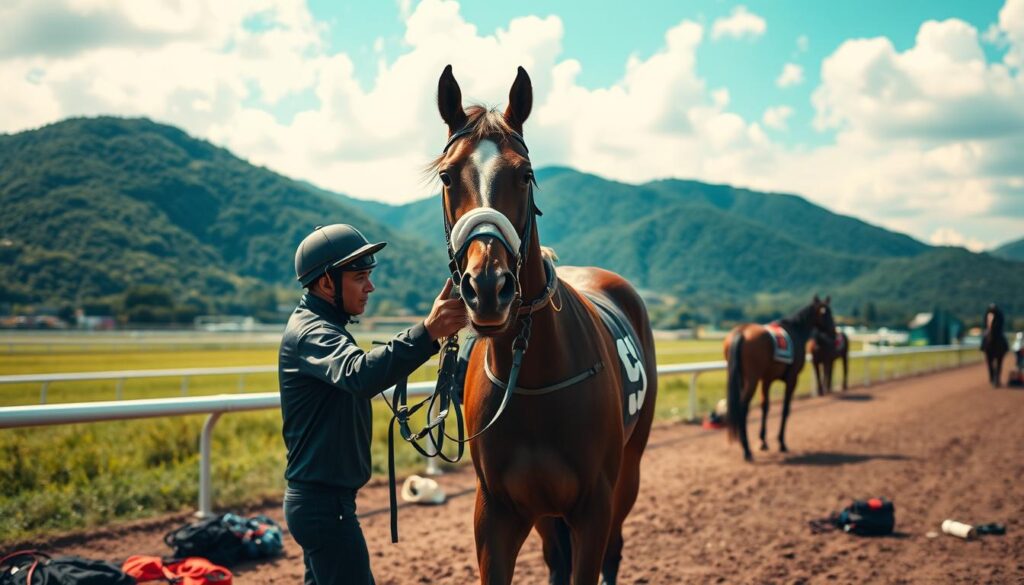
(631, 361)
(781, 342)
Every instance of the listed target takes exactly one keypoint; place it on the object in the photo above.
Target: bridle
(485, 221)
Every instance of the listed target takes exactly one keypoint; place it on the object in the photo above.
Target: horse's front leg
(790, 388)
(829, 363)
(846, 369)
(766, 386)
(590, 525)
(500, 533)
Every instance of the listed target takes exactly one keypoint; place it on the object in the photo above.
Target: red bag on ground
(189, 571)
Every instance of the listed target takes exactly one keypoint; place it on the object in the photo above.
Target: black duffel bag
(210, 538)
(874, 517)
(31, 567)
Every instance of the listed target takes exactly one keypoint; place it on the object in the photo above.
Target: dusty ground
(940, 446)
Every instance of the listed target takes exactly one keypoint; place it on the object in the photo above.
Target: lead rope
(445, 395)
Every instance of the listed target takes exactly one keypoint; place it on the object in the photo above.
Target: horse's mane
(800, 317)
(484, 122)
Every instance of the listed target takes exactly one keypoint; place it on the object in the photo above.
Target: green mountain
(116, 213)
(1011, 250)
(92, 207)
(713, 247)
(952, 278)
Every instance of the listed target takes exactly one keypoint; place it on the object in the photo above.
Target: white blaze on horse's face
(486, 158)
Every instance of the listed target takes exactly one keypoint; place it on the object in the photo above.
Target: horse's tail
(737, 408)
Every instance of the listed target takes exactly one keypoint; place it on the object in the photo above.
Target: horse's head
(488, 205)
(821, 318)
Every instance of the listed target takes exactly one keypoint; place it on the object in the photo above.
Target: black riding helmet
(338, 247)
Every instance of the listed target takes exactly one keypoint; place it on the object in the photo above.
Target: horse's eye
(528, 177)
(446, 179)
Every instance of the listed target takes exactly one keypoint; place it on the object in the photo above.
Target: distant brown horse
(824, 352)
(749, 350)
(564, 456)
(993, 343)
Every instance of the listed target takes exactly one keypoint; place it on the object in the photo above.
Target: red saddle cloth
(781, 342)
(840, 341)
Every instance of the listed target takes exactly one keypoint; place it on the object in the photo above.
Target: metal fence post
(42, 393)
(184, 385)
(867, 371)
(241, 383)
(205, 496)
(693, 396)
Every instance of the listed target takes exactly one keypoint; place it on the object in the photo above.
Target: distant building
(939, 327)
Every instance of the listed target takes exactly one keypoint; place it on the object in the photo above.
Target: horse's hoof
(764, 446)
(783, 449)
(748, 457)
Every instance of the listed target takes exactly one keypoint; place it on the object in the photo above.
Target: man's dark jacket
(327, 382)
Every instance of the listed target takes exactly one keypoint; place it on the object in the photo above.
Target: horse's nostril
(468, 291)
(508, 289)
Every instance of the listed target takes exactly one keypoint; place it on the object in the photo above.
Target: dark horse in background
(993, 343)
(564, 457)
(824, 353)
(749, 351)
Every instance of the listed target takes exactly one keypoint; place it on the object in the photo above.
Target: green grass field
(54, 479)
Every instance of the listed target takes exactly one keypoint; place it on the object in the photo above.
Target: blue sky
(907, 114)
(603, 35)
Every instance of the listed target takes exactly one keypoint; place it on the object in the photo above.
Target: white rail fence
(217, 405)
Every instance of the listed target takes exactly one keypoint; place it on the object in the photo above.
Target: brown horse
(824, 352)
(750, 352)
(564, 456)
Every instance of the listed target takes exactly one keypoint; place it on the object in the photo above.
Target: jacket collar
(324, 309)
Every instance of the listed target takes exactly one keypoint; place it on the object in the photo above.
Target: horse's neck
(546, 360)
(800, 324)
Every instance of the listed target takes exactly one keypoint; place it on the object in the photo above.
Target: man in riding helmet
(326, 383)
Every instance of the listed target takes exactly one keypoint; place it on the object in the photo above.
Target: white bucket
(958, 529)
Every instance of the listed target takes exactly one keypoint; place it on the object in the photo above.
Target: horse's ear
(520, 101)
(449, 101)
(828, 300)
(815, 300)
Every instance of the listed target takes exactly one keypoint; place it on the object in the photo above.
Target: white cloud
(740, 23)
(802, 43)
(792, 74)
(1011, 23)
(921, 135)
(951, 237)
(776, 117)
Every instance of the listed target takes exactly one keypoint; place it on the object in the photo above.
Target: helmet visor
(360, 263)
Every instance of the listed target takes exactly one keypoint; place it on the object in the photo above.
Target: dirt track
(941, 446)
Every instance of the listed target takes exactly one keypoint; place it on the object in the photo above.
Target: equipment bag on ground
(32, 567)
(874, 517)
(227, 539)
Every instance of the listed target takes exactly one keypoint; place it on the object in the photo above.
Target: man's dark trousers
(324, 523)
